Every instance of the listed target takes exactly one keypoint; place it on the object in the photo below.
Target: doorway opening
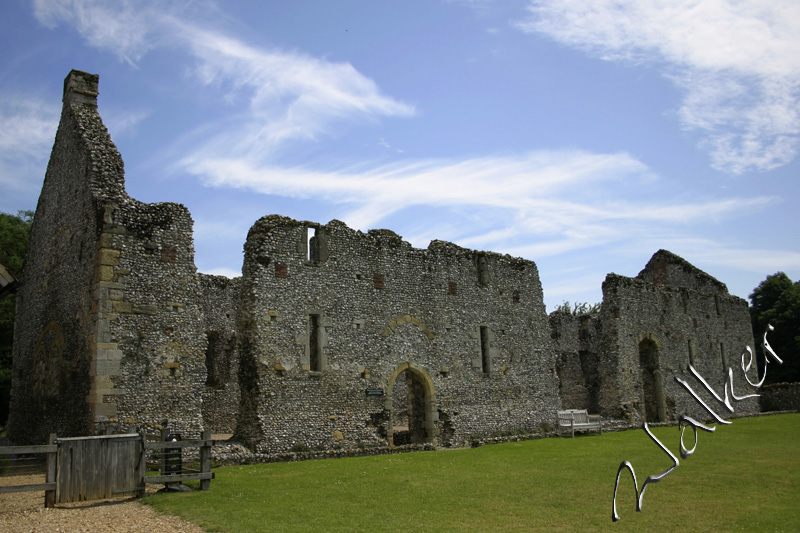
(655, 405)
(410, 400)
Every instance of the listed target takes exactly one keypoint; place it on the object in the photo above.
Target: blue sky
(582, 134)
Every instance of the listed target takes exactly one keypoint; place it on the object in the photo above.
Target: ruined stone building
(623, 361)
(331, 337)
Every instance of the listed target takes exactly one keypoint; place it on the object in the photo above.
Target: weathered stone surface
(625, 358)
(406, 330)
(332, 339)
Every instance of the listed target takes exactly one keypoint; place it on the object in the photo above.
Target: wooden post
(205, 458)
(50, 495)
(143, 465)
(164, 433)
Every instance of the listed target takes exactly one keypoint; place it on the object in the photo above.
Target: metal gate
(93, 468)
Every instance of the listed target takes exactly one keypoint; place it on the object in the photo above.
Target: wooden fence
(8, 453)
(94, 468)
(107, 466)
(169, 449)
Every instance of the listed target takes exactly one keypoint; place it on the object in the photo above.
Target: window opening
(483, 270)
(651, 385)
(486, 358)
(314, 349)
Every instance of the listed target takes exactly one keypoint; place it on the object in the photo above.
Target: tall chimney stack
(80, 88)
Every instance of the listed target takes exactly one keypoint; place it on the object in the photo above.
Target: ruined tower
(108, 307)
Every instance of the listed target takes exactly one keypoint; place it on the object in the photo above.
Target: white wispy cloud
(285, 95)
(27, 130)
(290, 95)
(536, 205)
(750, 259)
(738, 63)
(123, 121)
(497, 182)
(126, 27)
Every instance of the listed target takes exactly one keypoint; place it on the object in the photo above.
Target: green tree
(776, 301)
(578, 308)
(14, 233)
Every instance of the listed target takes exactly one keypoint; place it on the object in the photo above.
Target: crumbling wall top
(80, 88)
(104, 171)
(666, 268)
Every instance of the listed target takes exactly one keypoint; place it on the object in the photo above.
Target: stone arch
(653, 406)
(407, 319)
(648, 337)
(421, 404)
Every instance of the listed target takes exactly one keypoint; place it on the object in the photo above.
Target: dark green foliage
(578, 308)
(776, 301)
(14, 232)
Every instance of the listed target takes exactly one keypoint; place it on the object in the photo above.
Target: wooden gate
(93, 468)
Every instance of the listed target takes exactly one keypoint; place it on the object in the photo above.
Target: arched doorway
(654, 399)
(411, 403)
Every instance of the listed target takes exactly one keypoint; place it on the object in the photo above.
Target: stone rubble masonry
(684, 315)
(371, 335)
(107, 332)
(332, 339)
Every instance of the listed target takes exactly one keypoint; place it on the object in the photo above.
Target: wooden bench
(578, 419)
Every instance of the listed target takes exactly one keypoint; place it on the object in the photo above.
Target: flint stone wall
(622, 362)
(384, 307)
(109, 330)
(332, 339)
(52, 337)
(577, 340)
(221, 396)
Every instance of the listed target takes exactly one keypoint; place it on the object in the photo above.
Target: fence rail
(97, 467)
(8, 455)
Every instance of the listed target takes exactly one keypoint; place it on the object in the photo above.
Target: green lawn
(743, 477)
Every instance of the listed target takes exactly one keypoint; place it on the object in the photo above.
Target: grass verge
(745, 476)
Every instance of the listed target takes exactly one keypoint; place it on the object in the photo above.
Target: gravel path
(24, 512)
